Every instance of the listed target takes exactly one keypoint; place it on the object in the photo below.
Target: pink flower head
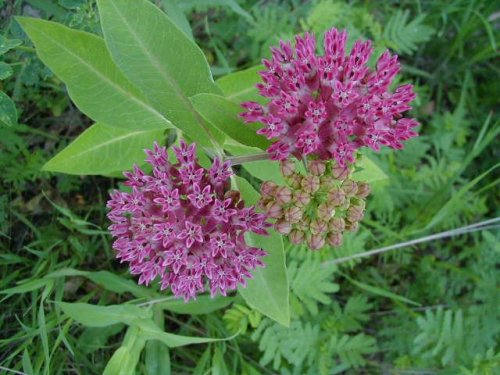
(181, 224)
(331, 105)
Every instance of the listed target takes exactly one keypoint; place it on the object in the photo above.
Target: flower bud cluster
(181, 224)
(315, 208)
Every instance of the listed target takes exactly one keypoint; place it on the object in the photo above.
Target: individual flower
(329, 106)
(182, 225)
(317, 207)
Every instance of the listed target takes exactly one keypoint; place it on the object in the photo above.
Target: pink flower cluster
(181, 224)
(330, 105)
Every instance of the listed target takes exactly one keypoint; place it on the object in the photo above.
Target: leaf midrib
(104, 78)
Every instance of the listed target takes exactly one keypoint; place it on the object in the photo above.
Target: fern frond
(352, 349)
(403, 36)
(311, 283)
(238, 318)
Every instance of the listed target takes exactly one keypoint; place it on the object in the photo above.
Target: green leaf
(150, 331)
(102, 316)
(224, 115)
(367, 171)
(8, 112)
(125, 359)
(381, 292)
(240, 86)
(265, 170)
(5, 70)
(7, 44)
(94, 82)
(201, 305)
(103, 149)
(157, 359)
(160, 59)
(268, 291)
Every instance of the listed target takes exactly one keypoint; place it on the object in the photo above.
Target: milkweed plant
(190, 215)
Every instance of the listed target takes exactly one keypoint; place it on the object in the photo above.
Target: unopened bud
(267, 189)
(318, 227)
(303, 224)
(294, 181)
(317, 167)
(301, 198)
(263, 202)
(355, 213)
(287, 167)
(328, 182)
(350, 188)
(363, 190)
(316, 242)
(274, 210)
(310, 184)
(340, 173)
(297, 236)
(293, 214)
(336, 197)
(282, 226)
(334, 239)
(283, 195)
(325, 211)
(351, 226)
(337, 225)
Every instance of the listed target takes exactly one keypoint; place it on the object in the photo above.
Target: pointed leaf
(102, 149)
(268, 291)
(240, 86)
(8, 112)
(224, 115)
(94, 82)
(160, 59)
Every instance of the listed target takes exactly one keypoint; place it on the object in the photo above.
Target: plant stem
(486, 224)
(236, 160)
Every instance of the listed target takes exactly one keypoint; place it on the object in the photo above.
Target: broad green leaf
(268, 290)
(224, 115)
(367, 171)
(262, 169)
(157, 359)
(161, 60)
(5, 70)
(125, 359)
(103, 149)
(102, 316)
(94, 82)
(202, 305)
(240, 86)
(380, 291)
(8, 112)
(150, 331)
(8, 44)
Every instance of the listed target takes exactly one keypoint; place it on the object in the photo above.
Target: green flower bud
(337, 225)
(282, 226)
(318, 227)
(350, 188)
(283, 195)
(293, 214)
(301, 198)
(310, 184)
(287, 167)
(267, 189)
(337, 197)
(325, 211)
(297, 236)
(274, 210)
(294, 181)
(340, 173)
(363, 190)
(351, 226)
(334, 239)
(355, 213)
(316, 241)
(317, 167)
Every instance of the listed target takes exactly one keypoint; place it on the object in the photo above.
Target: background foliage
(427, 309)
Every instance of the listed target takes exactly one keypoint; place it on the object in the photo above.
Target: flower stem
(236, 160)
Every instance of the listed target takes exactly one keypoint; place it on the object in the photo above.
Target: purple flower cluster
(181, 224)
(330, 105)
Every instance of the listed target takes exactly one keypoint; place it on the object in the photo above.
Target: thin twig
(159, 300)
(483, 225)
(235, 160)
